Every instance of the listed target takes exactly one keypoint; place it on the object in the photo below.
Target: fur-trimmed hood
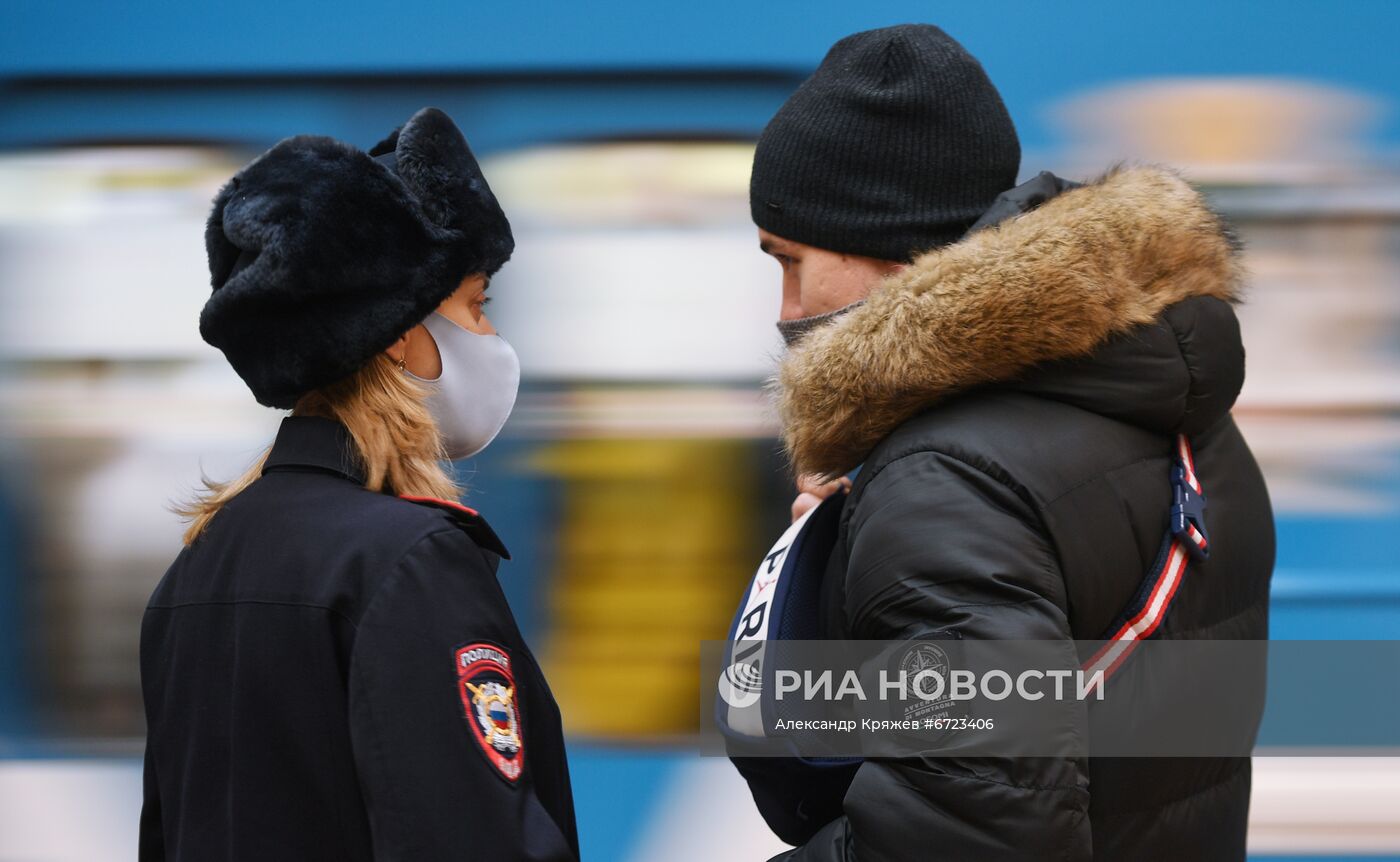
(1051, 284)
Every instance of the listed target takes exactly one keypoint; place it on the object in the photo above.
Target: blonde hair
(389, 423)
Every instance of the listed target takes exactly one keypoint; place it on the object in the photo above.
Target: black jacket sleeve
(935, 544)
(151, 845)
(428, 782)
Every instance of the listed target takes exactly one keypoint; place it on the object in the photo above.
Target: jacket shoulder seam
(397, 568)
(1051, 567)
(1089, 480)
(228, 602)
(1015, 786)
(1026, 601)
(1022, 493)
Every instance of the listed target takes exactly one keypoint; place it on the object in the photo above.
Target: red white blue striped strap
(1188, 505)
(1186, 538)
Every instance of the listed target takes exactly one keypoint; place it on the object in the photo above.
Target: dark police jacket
(333, 673)
(1013, 399)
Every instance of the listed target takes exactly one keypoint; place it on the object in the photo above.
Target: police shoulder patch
(486, 684)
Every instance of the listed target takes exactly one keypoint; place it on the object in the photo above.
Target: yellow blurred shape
(652, 557)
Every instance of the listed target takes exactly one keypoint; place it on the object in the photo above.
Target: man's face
(816, 281)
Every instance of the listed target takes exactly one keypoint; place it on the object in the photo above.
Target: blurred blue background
(639, 480)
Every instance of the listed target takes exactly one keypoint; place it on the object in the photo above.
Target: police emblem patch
(487, 688)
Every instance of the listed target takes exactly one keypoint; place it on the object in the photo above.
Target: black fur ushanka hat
(321, 255)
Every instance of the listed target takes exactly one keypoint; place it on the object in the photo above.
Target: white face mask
(473, 396)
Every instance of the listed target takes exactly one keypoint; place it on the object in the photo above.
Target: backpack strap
(780, 604)
(1186, 537)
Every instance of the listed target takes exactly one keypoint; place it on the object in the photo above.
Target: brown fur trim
(1048, 284)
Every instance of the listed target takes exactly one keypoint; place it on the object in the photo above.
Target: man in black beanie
(896, 145)
(1028, 377)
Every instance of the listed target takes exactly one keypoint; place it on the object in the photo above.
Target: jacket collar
(1086, 264)
(325, 444)
(316, 442)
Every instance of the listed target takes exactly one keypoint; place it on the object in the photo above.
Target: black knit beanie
(894, 146)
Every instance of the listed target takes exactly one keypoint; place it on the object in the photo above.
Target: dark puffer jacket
(1013, 400)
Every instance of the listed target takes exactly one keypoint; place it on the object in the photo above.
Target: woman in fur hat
(330, 669)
